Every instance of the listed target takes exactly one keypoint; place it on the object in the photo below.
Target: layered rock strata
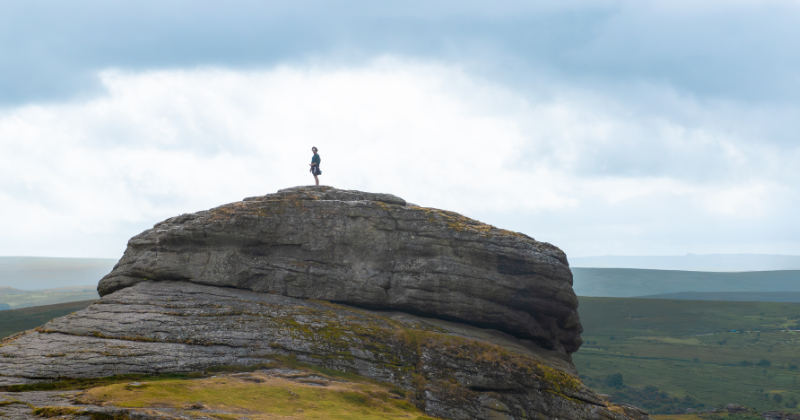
(450, 370)
(368, 250)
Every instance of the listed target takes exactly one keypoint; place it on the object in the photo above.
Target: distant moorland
(630, 282)
(667, 355)
(11, 298)
(18, 320)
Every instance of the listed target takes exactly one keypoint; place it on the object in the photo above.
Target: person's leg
(316, 179)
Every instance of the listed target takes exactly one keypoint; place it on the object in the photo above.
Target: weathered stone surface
(20, 406)
(453, 371)
(368, 250)
(63, 405)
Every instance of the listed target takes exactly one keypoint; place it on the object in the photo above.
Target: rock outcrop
(368, 250)
(473, 322)
(451, 370)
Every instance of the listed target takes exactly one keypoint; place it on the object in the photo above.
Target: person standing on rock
(315, 165)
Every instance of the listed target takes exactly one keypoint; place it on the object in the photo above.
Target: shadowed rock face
(368, 250)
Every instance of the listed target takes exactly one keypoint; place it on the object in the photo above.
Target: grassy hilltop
(665, 355)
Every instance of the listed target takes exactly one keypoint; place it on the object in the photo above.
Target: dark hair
(314, 147)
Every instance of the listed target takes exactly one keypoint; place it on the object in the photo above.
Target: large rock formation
(474, 322)
(451, 370)
(368, 250)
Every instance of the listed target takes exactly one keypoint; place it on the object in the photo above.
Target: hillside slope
(628, 282)
(11, 298)
(655, 353)
(17, 320)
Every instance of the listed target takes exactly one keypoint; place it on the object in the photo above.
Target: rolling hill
(18, 320)
(691, 262)
(630, 282)
(11, 298)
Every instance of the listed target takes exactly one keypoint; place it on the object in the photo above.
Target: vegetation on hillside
(283, 388)
(260, 394)
(668, 355)
(17, 299)
(18, 320)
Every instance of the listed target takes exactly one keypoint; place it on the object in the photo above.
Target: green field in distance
(11, 298)
(669, 355)
(18, 320)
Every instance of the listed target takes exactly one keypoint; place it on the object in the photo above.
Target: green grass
(271, 395)
(674, 354)
(18, 320)
(253, 397)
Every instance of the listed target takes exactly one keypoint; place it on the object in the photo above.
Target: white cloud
(80, 178)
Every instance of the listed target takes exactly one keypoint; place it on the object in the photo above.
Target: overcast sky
(603, 127)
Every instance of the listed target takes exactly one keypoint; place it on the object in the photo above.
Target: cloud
(742, 51)
(590, 172)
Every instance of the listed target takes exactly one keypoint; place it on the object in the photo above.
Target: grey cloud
(51, 50)
(744, 52)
